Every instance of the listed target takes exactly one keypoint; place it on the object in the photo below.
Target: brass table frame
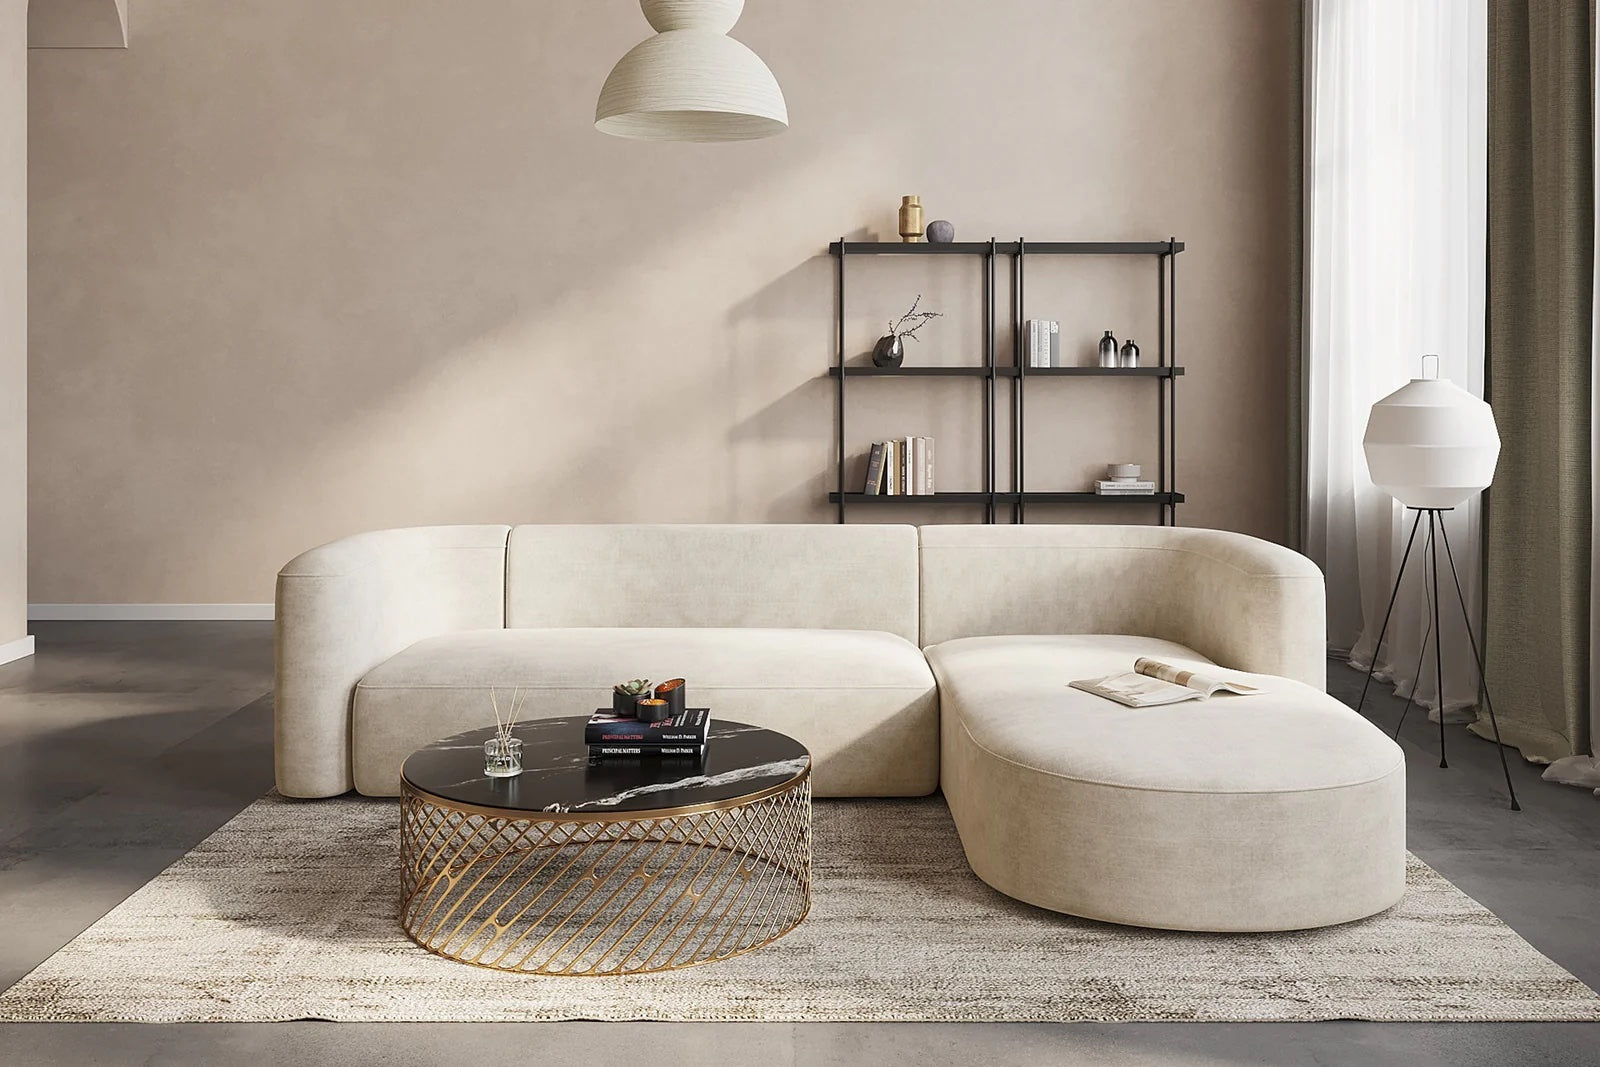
(604, 893)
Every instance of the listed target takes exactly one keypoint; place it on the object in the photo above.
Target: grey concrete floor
(122, 745)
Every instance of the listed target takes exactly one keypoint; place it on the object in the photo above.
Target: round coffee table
(624, 866)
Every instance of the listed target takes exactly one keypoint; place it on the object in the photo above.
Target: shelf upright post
(988, 382)
(1161, 385)
(840, 364)
(1018, 438)
(1172, 395)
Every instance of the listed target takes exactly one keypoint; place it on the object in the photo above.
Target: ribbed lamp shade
(1431, 444)
(691, 82)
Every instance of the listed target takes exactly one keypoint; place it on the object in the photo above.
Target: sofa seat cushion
(862, 701)
(1283, 810)
(1015, 701)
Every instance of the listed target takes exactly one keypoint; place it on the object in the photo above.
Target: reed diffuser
(502, 753)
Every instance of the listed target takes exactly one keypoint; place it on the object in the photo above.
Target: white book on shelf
(919, 454)
(1055, 344)
(931, 489)
(907, 467)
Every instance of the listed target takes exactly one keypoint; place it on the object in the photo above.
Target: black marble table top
(558, 776)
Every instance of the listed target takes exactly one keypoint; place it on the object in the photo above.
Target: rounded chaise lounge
(1278, 811)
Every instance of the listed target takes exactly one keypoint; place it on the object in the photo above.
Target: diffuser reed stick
(506, 720)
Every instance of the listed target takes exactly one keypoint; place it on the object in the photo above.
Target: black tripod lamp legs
(1477, 659)
(1384, 629)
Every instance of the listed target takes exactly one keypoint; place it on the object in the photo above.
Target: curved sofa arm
(347, 606)
(1250, 605)
(1246, 603)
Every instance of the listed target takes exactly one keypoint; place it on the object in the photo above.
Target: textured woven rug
(288, 912)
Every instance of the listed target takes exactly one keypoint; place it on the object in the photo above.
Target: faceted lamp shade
(691, 82)
(1431, 444)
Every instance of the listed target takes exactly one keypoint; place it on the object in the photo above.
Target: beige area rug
(288, 912)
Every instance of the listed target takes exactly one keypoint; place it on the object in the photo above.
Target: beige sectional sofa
(906, 660)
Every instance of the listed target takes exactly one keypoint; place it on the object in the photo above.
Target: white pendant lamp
(691, 81)
(1430, 443)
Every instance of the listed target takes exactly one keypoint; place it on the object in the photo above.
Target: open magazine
(1152, 683)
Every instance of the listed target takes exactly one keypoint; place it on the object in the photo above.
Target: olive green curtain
(1539, 374)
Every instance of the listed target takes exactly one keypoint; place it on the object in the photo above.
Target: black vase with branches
(890, 351)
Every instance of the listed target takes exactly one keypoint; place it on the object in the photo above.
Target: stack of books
(1124, 487)
(680, 737)
(1041, 343)
(900, 467)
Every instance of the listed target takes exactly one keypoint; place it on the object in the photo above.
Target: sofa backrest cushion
(825, 577)
(1239, 600)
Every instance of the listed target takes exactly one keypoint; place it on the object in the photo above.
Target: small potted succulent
(625, 697)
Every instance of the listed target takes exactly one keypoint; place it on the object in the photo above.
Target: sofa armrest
(1241, 601)
(1250, 605)
(344, 608)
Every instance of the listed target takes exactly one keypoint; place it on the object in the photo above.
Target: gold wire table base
(586, 894)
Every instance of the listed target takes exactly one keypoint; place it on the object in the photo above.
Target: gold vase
(911, 219)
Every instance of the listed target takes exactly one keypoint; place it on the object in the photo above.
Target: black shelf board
(1109, 372)
(1099, 248)
(909, 372)
(1006, 248)
(901, 248)
(858, 371)
(1008, 498)
(924, 498)
(1089, 498)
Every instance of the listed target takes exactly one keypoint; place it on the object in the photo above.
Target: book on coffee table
(683, 753)
(684, 733)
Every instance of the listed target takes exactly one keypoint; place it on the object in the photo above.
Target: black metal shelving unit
(992, 498)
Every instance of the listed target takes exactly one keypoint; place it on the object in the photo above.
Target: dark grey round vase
(890, 351)
(941, 232)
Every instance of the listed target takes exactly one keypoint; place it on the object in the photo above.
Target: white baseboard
(147, 612)
(21, 648)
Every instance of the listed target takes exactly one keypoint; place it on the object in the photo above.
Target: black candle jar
(673, 691)
(653, 710)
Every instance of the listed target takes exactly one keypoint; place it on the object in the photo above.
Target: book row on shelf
(1041, 343)
(901, 466)
(1124, 487)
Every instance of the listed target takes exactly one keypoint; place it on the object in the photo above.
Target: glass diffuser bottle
(502, 758)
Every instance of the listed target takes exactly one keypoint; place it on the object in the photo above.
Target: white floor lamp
(1431, 445)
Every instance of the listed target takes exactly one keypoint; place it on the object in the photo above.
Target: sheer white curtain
(1397, 112)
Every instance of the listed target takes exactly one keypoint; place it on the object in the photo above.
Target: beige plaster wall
(13, 320)
(78, 24)
(307, 267)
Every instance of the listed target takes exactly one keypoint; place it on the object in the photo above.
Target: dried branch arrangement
(918, 320)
